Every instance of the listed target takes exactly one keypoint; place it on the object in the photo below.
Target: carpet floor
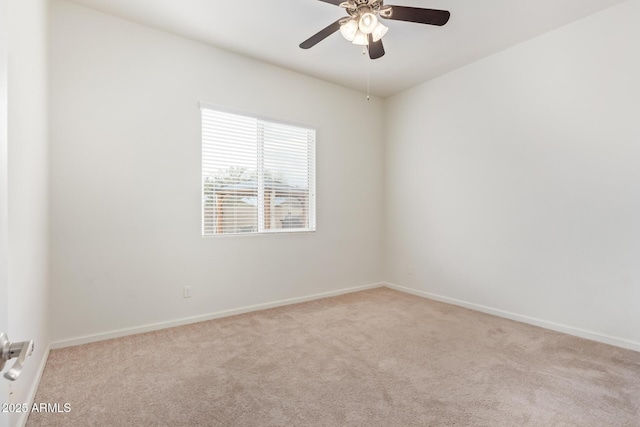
(372, 358)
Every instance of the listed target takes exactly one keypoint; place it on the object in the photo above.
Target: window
(258, 176)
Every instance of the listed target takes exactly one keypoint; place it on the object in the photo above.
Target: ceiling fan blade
(376, 50)
(419, 15)
(321, 35)
(336, 2)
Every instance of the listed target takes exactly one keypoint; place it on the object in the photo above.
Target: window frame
(312, 195)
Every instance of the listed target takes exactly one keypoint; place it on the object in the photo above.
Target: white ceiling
(271, 30)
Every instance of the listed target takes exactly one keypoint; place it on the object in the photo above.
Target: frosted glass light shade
(379, 32)
(367, 23)
(349, 29)
(361, 39)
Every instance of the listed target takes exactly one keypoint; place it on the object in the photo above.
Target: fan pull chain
(364, 52)
(368, 78)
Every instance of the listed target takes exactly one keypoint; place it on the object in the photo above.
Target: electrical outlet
(186, 292)
(410, 270)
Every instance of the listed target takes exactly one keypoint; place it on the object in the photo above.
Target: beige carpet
(373, 358)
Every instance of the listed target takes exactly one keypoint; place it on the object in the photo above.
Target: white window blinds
(258, 175)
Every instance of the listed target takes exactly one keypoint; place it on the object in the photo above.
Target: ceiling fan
(362, 26)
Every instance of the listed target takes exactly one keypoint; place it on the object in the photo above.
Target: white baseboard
(569, 330)
(594, 336)
(195, 319)
(31, 396)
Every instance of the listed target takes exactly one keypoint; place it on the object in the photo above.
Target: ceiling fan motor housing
(360, 7)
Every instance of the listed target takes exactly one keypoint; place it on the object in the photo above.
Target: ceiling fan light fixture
(367, 23)
(361, 39)
(349, 29)
(379, 32)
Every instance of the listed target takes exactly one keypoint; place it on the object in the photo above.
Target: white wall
(125, 179)
(28, 193)
(514, 183)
